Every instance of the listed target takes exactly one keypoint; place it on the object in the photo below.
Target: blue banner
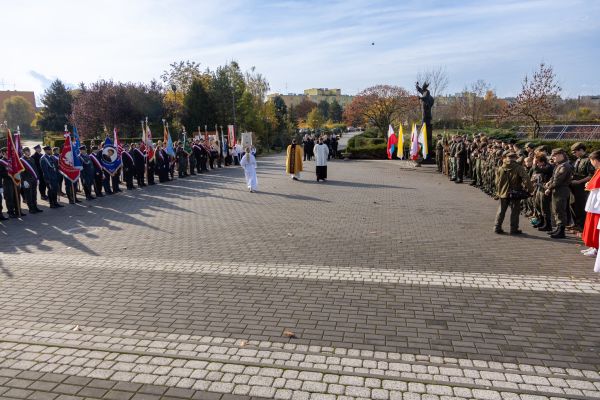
(111, 162)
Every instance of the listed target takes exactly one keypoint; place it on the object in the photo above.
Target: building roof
(7, 94)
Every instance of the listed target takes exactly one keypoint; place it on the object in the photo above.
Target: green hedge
(372, 151)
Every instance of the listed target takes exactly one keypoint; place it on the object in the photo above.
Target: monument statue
(427, 101)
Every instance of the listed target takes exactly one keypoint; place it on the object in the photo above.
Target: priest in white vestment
(249, 164)
(321, 152)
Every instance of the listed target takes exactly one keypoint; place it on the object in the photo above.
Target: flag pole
(18, 198)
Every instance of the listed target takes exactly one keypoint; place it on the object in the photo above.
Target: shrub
(372, 151)
(371, 132)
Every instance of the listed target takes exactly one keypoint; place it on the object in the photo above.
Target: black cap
(37, 146)
(83, 147)
(47, 148)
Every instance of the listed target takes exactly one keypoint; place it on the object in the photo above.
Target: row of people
(556, 193)
(42, 178)
(310, 141)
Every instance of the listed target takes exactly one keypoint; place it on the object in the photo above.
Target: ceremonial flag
(400, 143)
(110, 161)
(17, 139)
(76, 145)
(14, 166)
(423, 141)
(392, 142)
(414, 143)
(117, 143)
(169, 143)
(231, 134)
(149, 144)
(66, 164)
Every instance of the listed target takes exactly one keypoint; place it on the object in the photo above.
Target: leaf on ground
(288, 333)
(76, 328)
(243, 343)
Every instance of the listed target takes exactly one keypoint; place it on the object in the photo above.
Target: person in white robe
(249, 164)
(321, 152)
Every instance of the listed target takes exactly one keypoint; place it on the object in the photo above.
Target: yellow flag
(400, 143)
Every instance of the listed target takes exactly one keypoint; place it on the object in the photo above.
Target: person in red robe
(591, 234)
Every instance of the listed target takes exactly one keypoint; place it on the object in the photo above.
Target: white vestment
(321, 152)
(249, 164)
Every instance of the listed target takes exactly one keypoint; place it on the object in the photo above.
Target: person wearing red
(591, 234)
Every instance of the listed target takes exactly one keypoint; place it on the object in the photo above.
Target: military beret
(47, 148)
(558, 151)
(578, 146)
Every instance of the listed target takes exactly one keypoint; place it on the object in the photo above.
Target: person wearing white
(321, 152)
(249, 164)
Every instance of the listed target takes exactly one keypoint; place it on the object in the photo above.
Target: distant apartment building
(7, 94)
(315, 95)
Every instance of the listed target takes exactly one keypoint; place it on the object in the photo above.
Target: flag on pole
(76, 145)
(400, 142)
(14, 166)
(66, 161)
(414, 143)
(423, 141)
(149, 144)
(110, 161)
(392, 142)
(169, 143)
(17, 139)
(117, 143)
(231, 134)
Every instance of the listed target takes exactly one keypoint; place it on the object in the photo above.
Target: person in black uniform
(49, 167)
(139, 161)
(96, 156)
(29, 183)
(128, 167)
(37, 156)
(88, 172)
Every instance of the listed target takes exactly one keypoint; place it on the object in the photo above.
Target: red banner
(65, 162)
(15, 166)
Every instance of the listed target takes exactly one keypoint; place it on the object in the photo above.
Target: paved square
(389, 277)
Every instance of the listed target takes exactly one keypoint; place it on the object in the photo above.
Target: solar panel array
(564, 132)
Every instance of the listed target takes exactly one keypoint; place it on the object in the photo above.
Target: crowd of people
(309, 142)
(42, 179)
(556, 194)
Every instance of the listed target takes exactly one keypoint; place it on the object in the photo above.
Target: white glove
(1, 191)
(26, 185)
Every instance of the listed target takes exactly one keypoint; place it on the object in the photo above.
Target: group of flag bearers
(101, 168)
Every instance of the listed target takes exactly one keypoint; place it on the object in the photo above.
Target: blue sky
(302, 44)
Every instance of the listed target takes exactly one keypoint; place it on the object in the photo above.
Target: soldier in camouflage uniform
(583, 170)
(452, 156)
(558, 187)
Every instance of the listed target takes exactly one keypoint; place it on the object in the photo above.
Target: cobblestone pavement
(388, 277)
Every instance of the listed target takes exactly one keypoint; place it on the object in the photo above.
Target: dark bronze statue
(427, 102)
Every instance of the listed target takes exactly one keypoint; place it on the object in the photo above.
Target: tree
(323, 107)
(537, 99)
(336, 112)
(315, 119)
(227, 88)
(17, 111)
(303, 108)
(437, 77)
(58, 105)
(380, 106)
(198, 107)
(178, 80)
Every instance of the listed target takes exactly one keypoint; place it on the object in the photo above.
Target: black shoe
(294, 178)
(71, 202)
(559, 234)
(37, 210)
(13, 216)
(452, 179)
(58, 205)
(545, 228)
(552, 231)
(458, 181)
(3, 218)
(44, 197)
(516, 232)
(77, 201)
(499, 231)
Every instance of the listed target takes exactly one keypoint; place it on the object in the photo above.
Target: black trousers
(42, 187)
(30, 197)
(98, 182)
(128, 176)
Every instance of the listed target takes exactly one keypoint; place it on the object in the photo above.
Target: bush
(565, 144)
(371, 132)
(372, 151)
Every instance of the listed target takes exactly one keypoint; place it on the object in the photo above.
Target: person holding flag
(10, 174)
(67, 167)
(414, 143)
(50, 171)
(392, 142)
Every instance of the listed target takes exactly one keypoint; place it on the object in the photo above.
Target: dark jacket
(511, 176)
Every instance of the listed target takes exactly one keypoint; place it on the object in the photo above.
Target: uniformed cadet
(87, 172)
(128, 167)
(583, 170)
(29, 182)
(439, 153)
(510, 177)
(182, 161)
(11, 197)
(452, 156)
(558, 187)
(49, 167)
(461, 154)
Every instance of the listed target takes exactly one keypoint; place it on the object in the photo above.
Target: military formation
(543, 184)
(41, 178)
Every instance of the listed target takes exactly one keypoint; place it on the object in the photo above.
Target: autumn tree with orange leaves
(380, 106)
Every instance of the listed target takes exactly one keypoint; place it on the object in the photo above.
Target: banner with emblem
(14, 166)
(111, 162)
(66, 164)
